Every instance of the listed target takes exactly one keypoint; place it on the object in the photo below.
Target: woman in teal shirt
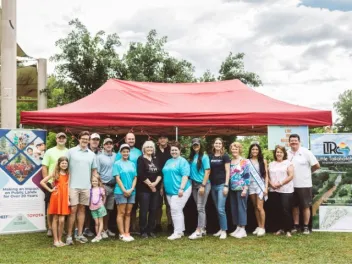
(125, 194)
(177, 187)
(200, 170)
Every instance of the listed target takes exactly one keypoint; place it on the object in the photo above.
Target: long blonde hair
(100, 183)
(56, 173)
(222, 151)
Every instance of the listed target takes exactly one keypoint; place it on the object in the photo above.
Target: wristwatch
(225, 185)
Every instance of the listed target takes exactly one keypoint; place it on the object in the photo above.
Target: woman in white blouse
(280, 179)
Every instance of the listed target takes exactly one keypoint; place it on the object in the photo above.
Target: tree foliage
(344, 109)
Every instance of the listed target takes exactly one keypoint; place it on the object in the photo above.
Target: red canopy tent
(226, 107)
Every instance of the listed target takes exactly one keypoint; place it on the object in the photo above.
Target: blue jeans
(238, 208)
(220, 201)
(148, 203)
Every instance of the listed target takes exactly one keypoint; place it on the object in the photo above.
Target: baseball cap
(107, 140)
(123, 146)
(195, 141)
(94, 135)
(61, 134)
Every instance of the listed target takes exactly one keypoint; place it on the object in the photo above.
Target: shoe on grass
(49, 233)
(195, 235)
(88, 233)
(110, 233)
(233, 234)
(217, 234)
(175, 236)
(261, 232)
(82, 239)
(69, 241)
(104, 234)
(256, 231)
(306, 230)
(223, 235)
(96, 239)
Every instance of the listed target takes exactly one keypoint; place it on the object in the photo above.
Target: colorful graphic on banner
(332, 184)
(22, 207)
(278, 135)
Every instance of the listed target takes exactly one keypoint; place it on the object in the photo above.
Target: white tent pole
(8, 64)
(176, 133)
(42, 81)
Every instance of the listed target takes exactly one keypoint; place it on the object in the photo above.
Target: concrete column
(42, 82)
(8, 64)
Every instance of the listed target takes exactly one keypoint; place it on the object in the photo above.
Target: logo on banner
(331, 148)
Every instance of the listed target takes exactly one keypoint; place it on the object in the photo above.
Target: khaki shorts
(79, 196)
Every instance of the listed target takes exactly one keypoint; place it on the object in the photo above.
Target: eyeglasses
(95, 139)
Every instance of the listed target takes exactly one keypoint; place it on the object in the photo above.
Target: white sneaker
(104, 234)
(223, 235)
(241, 233)
(217, 234)
(195, 235)
(233, 234)
(127, 238)
(204, 232)
(96, 239)
(261, 232)
(175, 236)
(256, 231)
(110, 233)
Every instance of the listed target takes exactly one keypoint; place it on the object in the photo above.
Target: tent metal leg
(176, 133)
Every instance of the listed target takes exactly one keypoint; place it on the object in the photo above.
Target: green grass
(318, 247)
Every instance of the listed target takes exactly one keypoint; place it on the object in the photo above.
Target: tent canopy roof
(226, 107)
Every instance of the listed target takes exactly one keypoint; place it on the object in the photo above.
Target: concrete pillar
(8, 64)
(42, 82)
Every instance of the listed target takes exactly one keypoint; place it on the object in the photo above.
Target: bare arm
(44, 181)
(227, 171)
(315, 167)
(44, 171)
(183, 182)
(119, 182)
(266, 175)
(289, 175)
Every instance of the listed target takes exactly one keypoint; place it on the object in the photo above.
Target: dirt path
(323, 198)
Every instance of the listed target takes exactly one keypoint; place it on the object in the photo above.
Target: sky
(301, 49)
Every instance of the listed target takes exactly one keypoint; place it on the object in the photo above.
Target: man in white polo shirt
(304, 163)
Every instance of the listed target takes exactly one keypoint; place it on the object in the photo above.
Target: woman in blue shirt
(177, 187)
(125, 194)
(200, 170)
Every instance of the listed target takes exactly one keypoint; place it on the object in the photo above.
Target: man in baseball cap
(94, 143)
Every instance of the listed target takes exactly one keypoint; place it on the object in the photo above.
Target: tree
(150, 62)
(85, 61)
(344, 109)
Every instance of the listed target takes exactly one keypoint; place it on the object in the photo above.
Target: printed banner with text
(22, 207)
(278, 135)
(332, 184)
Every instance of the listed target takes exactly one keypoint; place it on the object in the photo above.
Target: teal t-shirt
(127, 171)
(134, 155)
(173, 172)
(198, 175)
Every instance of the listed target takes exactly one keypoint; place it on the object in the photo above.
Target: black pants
(148, 203)
(286, 200)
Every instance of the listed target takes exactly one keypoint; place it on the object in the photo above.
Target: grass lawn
(316, 248)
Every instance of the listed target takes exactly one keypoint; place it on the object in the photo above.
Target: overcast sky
(302, 50)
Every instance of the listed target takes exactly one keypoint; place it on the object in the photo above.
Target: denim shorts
(99, 213)
(121, 199)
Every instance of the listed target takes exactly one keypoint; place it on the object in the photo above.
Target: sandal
(280, 232)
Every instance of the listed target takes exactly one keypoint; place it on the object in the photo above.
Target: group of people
(85, 177)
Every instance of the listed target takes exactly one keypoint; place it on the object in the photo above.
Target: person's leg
(153, 205)
(286, 205)
(144, 200)
(261, 212)
(121, 209)
(159, 214)
(128, 218)
(100, 226)
(109, 205)
(254, 199)
(176, 205)
(295, 210)
(168, 211)
(55, 228)
(242, 209)
(234, 207)
(60, 229)
(96, 221)
(49, 220)
(221, 202)
(72, 220)
(195, 189)
(201, 202)
(306, 216)
(81, 213)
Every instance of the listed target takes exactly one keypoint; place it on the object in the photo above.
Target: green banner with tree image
(332, 184)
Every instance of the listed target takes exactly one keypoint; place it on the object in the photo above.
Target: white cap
(94, 135)
(123, 146)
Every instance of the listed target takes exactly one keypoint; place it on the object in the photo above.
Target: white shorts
(253, 188)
